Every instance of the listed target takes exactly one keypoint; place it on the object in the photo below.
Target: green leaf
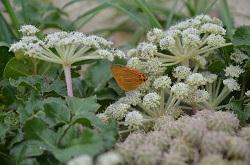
(36, 129)
(3, 131)
(5, 56)
(216, 66)
(79, 105)
(56, 111)
(98, 74)
(30, 108)
(25, 66)
(243, 113)
(29, 148)
(241, 36)
(40, 84)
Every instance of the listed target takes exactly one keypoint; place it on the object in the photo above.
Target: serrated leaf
(31, 107)
(241, 36)
(79, 105)
(41, 84)
(29, 148)
(36, 129)
(56, 111)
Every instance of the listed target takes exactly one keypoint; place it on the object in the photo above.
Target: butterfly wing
(127, 78)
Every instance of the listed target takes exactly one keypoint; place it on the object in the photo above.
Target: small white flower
(28, 30)
(181, 72)
(233, 71)
(247, 93)
(153, 66)
(103, 117)
(135, 62)
(132, 97)
(213, 28)
(231, 84)
(196, 79)
(190, 30)
(155, 35)
(200, 96)
(180, 90)
(173, 33)
(183, 25)
(210, 77)
(134, 119)
(162, 82)
(167, 42)
(96, 42)
(106, 54)
(215, 40)
(203, 18)
(146, 50)
(81, 160)
(119, 53)
(109, 158)
(191, 40)
(117, 110)
(151, 100)
(238, 56)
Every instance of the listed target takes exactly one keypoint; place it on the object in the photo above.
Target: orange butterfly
(128, 78)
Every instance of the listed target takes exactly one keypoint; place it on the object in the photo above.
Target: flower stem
(68, 79)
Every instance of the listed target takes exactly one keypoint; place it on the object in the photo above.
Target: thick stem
(68, 79)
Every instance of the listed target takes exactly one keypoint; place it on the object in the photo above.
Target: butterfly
(128, 78)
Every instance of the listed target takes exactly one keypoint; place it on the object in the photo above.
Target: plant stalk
(68, 79)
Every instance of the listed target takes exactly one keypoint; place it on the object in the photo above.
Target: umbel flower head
(62, 47)
(190, 40)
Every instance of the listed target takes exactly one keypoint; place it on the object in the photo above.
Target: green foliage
(242, 110)
(61, 128)
(242, 36)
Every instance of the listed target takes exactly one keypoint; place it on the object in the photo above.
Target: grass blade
(143, 5)
(12, 14)
(226, 17)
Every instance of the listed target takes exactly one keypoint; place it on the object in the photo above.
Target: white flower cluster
(181, 72)
(238, 56)
(28, 30)
(134, 119)
(187, 40)
(162, 82)
(68, 47)
(233, 71)
(231, 84)
(196, 79)
(117, 110)
(151, 100)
